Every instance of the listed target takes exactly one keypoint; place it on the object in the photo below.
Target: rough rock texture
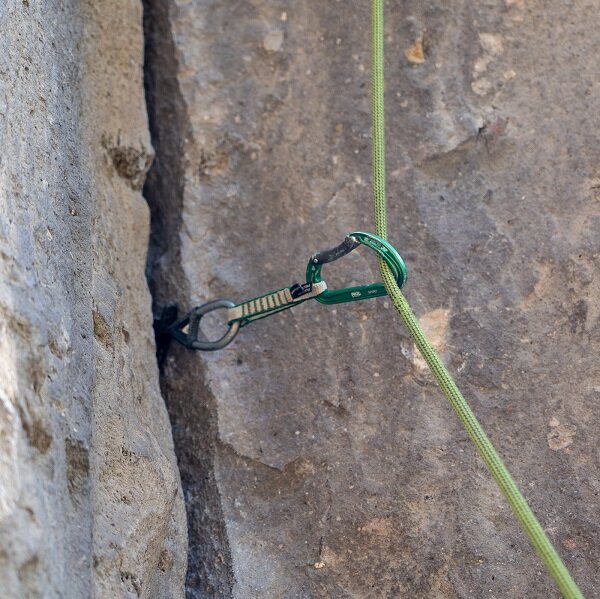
(90, 498)
(318, 458)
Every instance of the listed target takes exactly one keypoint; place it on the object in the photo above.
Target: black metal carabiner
(187, 330)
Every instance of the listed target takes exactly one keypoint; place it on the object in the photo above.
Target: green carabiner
(360, 292)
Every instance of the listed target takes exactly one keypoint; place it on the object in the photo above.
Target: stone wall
(318, 457)
(90, 497)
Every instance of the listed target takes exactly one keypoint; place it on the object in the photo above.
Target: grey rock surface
(318, 457)
(90, 496)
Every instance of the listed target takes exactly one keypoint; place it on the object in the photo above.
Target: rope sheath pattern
(492, 460)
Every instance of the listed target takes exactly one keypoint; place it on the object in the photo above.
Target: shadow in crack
(191, 406)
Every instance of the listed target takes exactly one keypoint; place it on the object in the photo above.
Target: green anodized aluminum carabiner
(360, 292)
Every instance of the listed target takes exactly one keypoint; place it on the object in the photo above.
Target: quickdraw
(187, 330)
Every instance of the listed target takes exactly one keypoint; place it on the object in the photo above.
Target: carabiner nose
(350, 294)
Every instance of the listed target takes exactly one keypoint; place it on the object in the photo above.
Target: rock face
(90, 497)
(318, 458)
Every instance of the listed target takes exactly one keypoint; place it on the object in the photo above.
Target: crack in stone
(190, 403)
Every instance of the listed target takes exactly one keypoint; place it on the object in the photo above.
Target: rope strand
(492, 460)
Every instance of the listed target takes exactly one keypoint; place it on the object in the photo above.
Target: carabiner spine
(353, 294)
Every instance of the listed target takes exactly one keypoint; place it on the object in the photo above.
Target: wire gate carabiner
(187, 330)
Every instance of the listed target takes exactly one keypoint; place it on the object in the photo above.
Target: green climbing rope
(519, 505)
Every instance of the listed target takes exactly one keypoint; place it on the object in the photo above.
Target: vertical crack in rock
(191, 405)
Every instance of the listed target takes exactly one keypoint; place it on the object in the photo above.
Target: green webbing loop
(527, 519)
